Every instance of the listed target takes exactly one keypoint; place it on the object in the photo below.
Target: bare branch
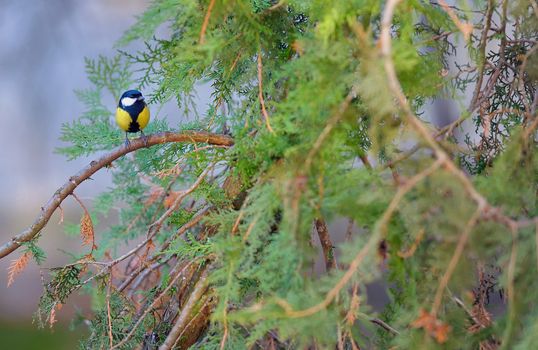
(188, 308)
(206, 21)
(150, 307)
(260, 93)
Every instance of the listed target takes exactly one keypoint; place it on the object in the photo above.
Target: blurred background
(43, 45)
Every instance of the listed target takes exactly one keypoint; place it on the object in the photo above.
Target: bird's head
(130, 97)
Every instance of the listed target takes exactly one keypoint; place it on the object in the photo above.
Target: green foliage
(63, 282)
(93, 131)
(37, 253)
(341, 148)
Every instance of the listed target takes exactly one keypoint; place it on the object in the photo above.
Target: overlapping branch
(74, 181)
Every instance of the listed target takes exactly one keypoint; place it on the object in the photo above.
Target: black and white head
(130, 97)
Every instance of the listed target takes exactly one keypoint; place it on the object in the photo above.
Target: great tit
(132, 114)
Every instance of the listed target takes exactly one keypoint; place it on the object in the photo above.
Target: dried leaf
(52, 317)
(481, 318)
(86, 230)
(434, 327)
(17, 266)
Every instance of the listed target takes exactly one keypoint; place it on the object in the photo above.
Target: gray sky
(41, 62)
(43, 45)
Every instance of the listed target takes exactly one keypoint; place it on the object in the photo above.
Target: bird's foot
(127, 142)
(145, 138)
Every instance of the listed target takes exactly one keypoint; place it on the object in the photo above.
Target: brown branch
(260, 93)
(197, 324)
(108, 312)
(411, 250)
(206, 21)
(74, 181)
(326, 244)
(188, 308)
(194, 221)
(464, 27)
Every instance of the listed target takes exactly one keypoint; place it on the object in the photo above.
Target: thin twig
(466, 28)
(150, 307)
(155, 227)
(260, 93)
(277, 5)
(108, 312)
(195, 220)
(384, 325)
(411, 250)
(206, 21)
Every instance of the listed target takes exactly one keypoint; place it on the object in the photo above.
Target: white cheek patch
(128, 101)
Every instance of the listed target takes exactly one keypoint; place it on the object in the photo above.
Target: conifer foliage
(329, 106)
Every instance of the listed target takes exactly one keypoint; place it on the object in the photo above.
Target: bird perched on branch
(132, 114)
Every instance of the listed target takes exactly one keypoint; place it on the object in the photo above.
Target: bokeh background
(42, 50)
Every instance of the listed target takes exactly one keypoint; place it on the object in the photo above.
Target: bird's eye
(128, 101)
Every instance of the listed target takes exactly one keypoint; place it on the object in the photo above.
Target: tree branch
(73, 182)
(185, 315)
(326, 244)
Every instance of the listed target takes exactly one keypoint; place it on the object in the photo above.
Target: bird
(132, 114)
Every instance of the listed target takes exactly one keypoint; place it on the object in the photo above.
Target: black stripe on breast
(135, 109)
(134, 127)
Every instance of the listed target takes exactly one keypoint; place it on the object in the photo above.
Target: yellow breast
(123, 119)
(143, 117)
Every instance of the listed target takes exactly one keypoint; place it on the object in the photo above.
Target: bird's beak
(140, 98)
